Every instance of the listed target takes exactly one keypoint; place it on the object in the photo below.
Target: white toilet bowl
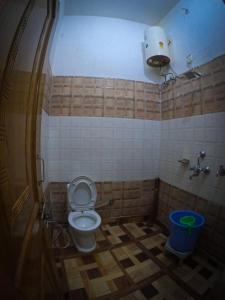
(82, 218)
(83, 227)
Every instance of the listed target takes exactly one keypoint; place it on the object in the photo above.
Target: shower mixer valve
(197, 170)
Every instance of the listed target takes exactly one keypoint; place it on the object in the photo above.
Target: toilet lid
(82, 193)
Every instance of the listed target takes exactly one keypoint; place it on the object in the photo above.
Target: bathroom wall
(115, 200)
(101, 47)
(120, 134)
(105, 149)
(185, 138)
(109, 130)
(57, 26)
(193, 119)
(199, 32)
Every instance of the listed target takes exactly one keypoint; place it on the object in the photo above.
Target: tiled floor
(130, 263)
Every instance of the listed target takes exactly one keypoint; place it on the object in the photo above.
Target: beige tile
(142, 270)
(154, 241)
(134, 230)
(170, 290)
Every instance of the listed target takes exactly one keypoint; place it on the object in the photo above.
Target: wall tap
(196, 171)
(205, 170)
(220, 171)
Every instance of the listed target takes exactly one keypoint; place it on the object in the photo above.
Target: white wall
(200, 32)
(61, 4)
(105, 149)
(44, 144)
(101, 47)
(185, 138)
(107, 47)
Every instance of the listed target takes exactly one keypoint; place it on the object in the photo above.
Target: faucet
(198, 169)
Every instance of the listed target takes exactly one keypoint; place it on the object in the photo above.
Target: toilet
(82, 218)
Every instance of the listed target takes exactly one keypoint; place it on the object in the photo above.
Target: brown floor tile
(104, 244)
(88, 259)
(140, 270)
(122, 283)
(198, 274)
(97, 278)
(135, 230)
(169, 289)
(155, 245)
(149, 291)
(115, 234)
(119, 264)
(148, 230)
(142, 256)
(126, 263)
(155, 251)
(136, 295)
(79, 294)
(125, 238)
(154, 241)
(94, 273)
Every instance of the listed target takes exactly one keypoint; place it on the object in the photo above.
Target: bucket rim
(186, 211)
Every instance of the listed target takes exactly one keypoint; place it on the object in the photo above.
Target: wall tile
(192, 135)
(197, 96)
(102, 97)
(114, 199)
(111, 148)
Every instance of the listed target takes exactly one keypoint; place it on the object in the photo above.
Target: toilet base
(84, 250)
(84, 243)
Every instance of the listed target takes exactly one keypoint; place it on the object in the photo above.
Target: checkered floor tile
(160, 289)
(115, 234)
(99, 274)
(136, 263)
(130, 263)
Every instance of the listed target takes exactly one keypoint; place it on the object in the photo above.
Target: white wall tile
(106, 148)
(130, 149)
(206, 132)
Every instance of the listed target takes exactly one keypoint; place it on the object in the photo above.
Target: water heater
(156, 47)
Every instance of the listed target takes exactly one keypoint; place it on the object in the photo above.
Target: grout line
(166, 269)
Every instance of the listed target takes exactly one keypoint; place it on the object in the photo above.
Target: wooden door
(27, 267)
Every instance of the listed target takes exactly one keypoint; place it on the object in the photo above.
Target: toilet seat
(82, 194)
(86, 221)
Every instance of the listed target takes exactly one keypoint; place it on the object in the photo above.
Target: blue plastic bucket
(181, 238)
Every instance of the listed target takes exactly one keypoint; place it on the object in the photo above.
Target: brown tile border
(204, 95)
(104, 97)
(109, 97)
(115, 201)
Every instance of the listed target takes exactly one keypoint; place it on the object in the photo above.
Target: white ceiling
(142, 11)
